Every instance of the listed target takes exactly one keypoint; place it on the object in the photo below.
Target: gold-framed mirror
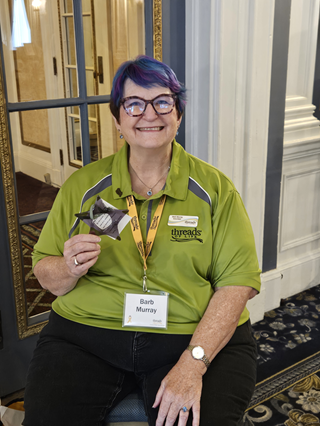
(20, 128)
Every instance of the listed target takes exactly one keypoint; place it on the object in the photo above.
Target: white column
(299, 122)
(228, 74)
(299, 225)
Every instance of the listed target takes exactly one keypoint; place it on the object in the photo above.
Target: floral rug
(288, 388)
(289, 333)
(34, 196)
(38, 300)
(290, 398)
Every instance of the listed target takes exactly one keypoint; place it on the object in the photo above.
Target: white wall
(299, 230)
(228, 74)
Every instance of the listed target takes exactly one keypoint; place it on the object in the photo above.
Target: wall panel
(299, 231)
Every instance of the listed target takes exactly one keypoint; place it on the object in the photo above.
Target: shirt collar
(176, 183)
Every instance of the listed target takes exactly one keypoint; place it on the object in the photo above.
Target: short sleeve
(234, 260)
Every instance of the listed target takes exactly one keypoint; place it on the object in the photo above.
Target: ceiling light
(36, 4)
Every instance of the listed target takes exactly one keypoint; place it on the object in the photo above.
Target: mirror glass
(39, 53)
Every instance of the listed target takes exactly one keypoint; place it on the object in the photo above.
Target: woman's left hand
(180, 388)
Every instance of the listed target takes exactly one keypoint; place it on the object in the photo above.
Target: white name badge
(178, 220)
(145, 310)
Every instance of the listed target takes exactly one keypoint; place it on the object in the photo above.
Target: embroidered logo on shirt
(186, 235)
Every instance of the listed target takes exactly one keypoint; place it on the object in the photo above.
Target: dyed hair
(146, 72)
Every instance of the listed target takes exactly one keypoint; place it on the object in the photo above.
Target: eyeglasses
(135, 106)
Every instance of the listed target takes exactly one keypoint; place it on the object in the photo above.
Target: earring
(121, 135)
(177, 132)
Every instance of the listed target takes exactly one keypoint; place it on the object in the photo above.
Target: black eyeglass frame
(171, 95)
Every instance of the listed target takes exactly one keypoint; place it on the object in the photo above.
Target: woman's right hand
(60, 274)
(81, 252)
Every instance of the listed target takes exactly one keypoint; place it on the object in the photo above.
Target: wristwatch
(198, 353)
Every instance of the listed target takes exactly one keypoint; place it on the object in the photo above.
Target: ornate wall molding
(300, 124)
(299, 231)
(157, 29)
(302, 227)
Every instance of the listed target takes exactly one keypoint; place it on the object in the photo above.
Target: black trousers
(79, 373)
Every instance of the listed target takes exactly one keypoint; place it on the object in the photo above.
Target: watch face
(198, 352)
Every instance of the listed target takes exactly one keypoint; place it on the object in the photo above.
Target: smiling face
(150, 130)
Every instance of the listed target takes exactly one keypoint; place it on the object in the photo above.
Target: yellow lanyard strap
(136, 230)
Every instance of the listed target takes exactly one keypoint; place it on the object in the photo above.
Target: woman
(163, 307)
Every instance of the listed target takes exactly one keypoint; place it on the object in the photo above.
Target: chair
(130, 409)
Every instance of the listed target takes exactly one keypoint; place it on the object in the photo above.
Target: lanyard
(136, 232)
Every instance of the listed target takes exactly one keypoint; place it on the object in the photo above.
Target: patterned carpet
(288, 388)
(33, 197)
(38, 299)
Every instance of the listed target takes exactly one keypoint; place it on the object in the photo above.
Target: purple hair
(145, 72)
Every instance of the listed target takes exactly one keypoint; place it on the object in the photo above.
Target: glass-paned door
(71, 83)
(114, 32)
(59, 57)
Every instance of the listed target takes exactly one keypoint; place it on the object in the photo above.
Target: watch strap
(204, 358)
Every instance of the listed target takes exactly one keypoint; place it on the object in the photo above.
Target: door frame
(27, 328)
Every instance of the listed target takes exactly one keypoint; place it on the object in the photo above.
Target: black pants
(79, 373)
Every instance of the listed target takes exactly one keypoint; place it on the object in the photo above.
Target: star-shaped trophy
(105, 219)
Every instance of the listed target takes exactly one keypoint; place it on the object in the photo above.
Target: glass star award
(105, 219)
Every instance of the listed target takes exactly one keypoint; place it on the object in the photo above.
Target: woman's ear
(117, 126)
(117, 123)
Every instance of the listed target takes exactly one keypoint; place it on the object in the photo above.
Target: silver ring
(76, 262)
(184, 409)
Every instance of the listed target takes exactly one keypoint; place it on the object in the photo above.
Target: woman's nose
(150, 113)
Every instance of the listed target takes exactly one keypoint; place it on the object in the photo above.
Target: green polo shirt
(185, 262)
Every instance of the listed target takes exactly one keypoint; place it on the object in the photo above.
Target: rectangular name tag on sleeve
(145, 310)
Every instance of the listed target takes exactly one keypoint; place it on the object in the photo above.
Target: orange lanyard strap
(136, 231)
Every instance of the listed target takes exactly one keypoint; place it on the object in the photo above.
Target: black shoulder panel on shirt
(197, 190)
(100, 186)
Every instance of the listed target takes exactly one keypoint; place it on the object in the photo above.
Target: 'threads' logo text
(186, 235)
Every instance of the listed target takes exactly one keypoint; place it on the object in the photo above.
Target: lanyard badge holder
(150, 308)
